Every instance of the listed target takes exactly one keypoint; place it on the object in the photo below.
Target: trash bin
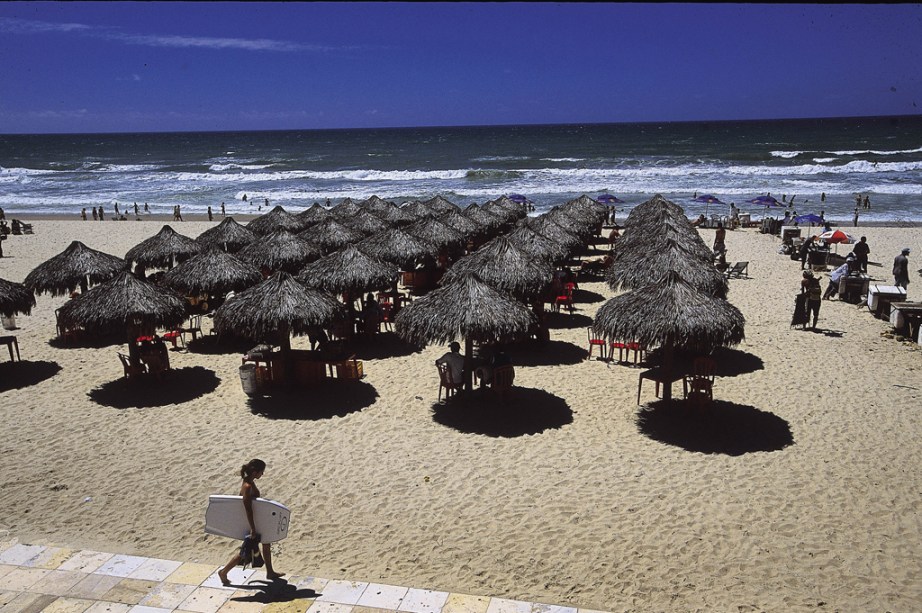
(248, 379)
(9, 323)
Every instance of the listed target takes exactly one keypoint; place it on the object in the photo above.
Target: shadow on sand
(524, 411)
(267, 592)
(211, 344)
(381, 346)
(177, 386)
(88, 342)
(565, 321)
(723, 427)
(329, 398)
(550, 353)
(585, 296)
(17, 375)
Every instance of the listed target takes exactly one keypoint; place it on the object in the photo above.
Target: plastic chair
(595, 342)
(446, 383)
(701, 380)
(130, 369)
(172, 336)
(387, 315)
(195, 327)
(503, 376)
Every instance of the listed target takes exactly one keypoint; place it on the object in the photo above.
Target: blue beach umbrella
(609, 199)
(708, 200)
(518, 198)
(765, 201)
(809, 218)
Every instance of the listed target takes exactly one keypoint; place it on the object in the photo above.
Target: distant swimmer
(244, 197)
(823, 197)
(867, 202)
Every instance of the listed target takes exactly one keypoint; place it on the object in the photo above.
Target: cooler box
(248, 379)
(745, 219)
(789, 232)
(880, 297)
(9, 323)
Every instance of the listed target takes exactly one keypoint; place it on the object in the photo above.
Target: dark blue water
(736, 161)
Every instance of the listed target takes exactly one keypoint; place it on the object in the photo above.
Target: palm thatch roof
(163, 249)
(348, 270)
(654, 261)
(464, 225)
(554, 231)
(276, 307)
(367, 223)
(330, 235)
(586, 206)
(640, 240)
(508, 204)
(227, 235)
(316, 213)
(572, 220)
(440, 205)
(395, 215)
(502, 265)
(398, 246)
(345, 209)
(280, 250)
(71, 268)
(537, 245)
(434, 231)
(671, 313)
(375, 204)
(418, 209)
(466, 308)
(212, 272)
(273, 221)
(15, 298)
(656, 203)
(486, 219)
(123, 302)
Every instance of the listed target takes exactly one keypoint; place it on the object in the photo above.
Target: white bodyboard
(226, 516)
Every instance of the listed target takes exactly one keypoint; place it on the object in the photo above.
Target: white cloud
(24, 26)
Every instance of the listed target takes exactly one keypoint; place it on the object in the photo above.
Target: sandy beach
(798, 491)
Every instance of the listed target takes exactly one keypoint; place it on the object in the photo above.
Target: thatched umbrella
(434, 231)
(273, 221)
(486, 219)
(464, 225)
(440, 205)
(398, 246)
(467, 308)
(280, 250)
(572, 220)
(348, 271)
(671, 314)
(653, 261)
(345, 209)
(537, 245)
(275, 309)
(227, 235)
(657, 202)
(586, 206)
(395, 215)
(330, 235)
(367, 223)
(15, 298)
(315, 214)
(502, 265)
(518, 209)
(639, 240)
(212, 272)
(554, 231)
(374, 204)
(124, 302)
(76, 266)
(418, 209)
(163, 250)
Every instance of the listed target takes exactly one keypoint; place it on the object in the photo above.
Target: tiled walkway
(37, 578)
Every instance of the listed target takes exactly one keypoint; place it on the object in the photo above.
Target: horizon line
(450, 126)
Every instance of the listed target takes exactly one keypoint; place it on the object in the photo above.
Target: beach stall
(15, 298)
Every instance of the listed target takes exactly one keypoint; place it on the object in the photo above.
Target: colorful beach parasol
(809, 218)
(609, 199)
(837, 236)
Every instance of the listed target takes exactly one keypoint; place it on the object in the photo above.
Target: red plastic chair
(595, 342)
(387, 315)
(172, 336)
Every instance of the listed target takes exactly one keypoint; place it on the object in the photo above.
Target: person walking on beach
(146, 208)
(101, 217)
(137, 213)
(223, 214)
(805, 250)
(856, 217)
(901, 269)
(858, 201)
(861, 252)
(95, 215)
(810, 286)
(250, 472)
(719, 237)
(83, 214)
(867, 202)
(210, 218)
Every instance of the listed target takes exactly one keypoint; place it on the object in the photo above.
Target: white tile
(121, 565)
(205, 600)
(329, 607)
(142, 609)
(551, 608)
(423, 601)
(238, 576)
(342, 592)
(18, 555)
(501, 605)
(108, 607)
(86, 561)
(155, 570)
(382, 596)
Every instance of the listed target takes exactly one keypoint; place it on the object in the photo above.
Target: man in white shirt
(455, 362)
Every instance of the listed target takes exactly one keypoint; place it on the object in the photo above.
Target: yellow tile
(6, 568)
(6, 597)
(85, 561)
(167, 595)
(299, 605)
(191, 574)
(465, 603)
(244, 606)
(108, 607)
(22, 578)
(358, 609)
(51, 558)
(94, 586)
(29, 603)
(58, 582)
(129, 591)
(68, 605)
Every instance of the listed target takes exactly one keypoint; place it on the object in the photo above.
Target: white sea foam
(849, 152)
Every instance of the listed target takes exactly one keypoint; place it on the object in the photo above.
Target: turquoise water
(735, 161)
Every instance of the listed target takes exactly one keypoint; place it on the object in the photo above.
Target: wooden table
(10, 342)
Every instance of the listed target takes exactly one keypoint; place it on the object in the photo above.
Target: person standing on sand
(223, 214)
(250, 472)
(810, 286)
(101, 216)
(861, 252)
(901, 269)
(146, 208)
(210, 218)
(137, 213)
(83, 214)
(856, 217)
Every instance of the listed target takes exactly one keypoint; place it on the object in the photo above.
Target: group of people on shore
(100, 215)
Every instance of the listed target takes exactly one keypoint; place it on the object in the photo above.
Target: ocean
(880, 157)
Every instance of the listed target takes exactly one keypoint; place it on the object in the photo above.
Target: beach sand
(799, 490)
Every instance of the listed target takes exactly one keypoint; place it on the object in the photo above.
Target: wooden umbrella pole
(468, 362)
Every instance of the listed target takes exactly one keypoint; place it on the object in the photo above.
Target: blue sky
(165, 66)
